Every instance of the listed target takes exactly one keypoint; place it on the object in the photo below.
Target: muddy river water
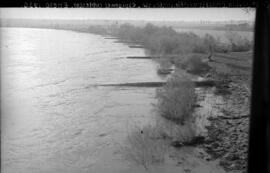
(53, 119)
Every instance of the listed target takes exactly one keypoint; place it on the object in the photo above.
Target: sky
(163, 14)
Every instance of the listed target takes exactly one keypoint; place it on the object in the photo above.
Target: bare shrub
(209, 44)
(176, 98)
(194, 64)
(148, 145)
(185, 133)
(167, 129)
(145, 147)
(164, 63)
(164, 66)
(221, 48)
(205, 44)
(237, 42)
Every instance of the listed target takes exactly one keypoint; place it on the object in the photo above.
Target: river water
(53, 117)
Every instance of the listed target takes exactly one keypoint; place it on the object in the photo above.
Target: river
(54, 118)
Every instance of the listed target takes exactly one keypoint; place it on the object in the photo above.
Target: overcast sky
(186, 14)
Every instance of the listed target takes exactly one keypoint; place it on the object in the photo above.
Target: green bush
(176, 99)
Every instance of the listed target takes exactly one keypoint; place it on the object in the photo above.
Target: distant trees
(237, 42)
(166, 41)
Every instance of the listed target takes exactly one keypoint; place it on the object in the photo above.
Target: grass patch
(145, 146)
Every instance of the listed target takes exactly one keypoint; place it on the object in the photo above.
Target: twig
(236, 117)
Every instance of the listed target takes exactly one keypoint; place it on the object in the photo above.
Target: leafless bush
(148, 145)
(176, 98)
(237, 42)
(176, 132)
(145, 147)
(194, 64)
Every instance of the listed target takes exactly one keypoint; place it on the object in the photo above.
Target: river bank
(226, 107)
(222, 114)
(228, 134)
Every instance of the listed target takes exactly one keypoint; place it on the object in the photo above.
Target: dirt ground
(227, 137)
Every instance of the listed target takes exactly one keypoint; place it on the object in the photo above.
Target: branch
(233, 118)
